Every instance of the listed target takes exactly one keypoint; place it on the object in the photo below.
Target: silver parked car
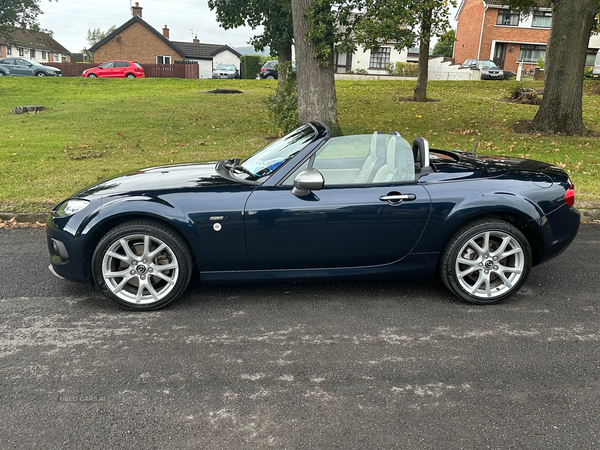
(21, 67)
(228, 71)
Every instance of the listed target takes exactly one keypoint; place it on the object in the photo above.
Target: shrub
(251, 65)
(283, 105)
(361, 71)
(541, 62)
(587, 71)
(404, 69)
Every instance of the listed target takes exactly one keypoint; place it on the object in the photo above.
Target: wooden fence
(190, 71)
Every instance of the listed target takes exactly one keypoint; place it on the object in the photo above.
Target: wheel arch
(522, 223)
(94, 230)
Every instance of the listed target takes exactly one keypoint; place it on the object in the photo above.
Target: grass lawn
(92, 129)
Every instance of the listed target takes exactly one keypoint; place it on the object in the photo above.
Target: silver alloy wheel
(490, 264)
(41, 74)
(140, 269)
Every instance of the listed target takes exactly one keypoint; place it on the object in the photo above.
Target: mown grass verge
(92, 129)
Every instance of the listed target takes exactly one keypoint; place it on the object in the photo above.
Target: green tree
(445, 45)
(561, 110)
(275, 16)
(18, 13)
(95, 35)
(402, 22)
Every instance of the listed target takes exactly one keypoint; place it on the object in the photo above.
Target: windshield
(487, 64)
(267, 160)
(225, 67)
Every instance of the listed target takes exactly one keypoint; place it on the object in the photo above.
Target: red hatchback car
(116, 69)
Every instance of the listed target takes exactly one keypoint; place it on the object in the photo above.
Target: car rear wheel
(1, 74)
(486, 261)
(41, 74)
(130, 75)
(92, 75)
(141, 265)
(270, 77)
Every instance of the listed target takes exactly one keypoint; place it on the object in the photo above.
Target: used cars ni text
(312, 205)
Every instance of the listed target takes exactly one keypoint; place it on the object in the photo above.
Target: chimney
(166, 32)
(136, 10)
(196, 40)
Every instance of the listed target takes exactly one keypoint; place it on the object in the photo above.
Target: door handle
(395, 198)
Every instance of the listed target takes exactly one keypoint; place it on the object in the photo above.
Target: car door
(120, 68)
(106, 69)
(345, 224)
(22, 68)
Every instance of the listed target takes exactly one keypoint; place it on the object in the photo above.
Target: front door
(500, 54)
(334, 227)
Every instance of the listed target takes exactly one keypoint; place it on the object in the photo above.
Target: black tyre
(130, 75)
(92, 75)
(142, 265)
(40, 74)
(486, 261)
(270, 77)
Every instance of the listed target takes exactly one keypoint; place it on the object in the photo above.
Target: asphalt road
(356, 365)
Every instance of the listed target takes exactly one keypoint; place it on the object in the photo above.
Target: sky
(71, 19)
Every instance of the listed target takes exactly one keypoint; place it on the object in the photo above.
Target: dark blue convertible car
(311, 205)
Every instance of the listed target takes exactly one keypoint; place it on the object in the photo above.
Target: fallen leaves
(13, 223)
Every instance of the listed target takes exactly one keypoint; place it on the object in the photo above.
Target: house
(34, 45)
(373, 62)
(488, 29)
(138, 41)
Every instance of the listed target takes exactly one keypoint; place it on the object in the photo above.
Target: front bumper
(66, 250)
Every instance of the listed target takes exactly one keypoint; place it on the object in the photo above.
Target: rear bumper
(559, 229)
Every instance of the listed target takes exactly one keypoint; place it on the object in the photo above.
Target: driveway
(350, 365)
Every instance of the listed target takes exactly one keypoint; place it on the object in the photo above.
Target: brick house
(488, 29)
(138, 41)
(34, 45)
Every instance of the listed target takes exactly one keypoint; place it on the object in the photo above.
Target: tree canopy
(18, 13)
(445, 45)
(95, 35)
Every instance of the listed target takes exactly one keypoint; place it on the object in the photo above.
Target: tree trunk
(284, 55)
(561, 110)
(316, 85)
(423, 69)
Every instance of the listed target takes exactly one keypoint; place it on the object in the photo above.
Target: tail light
(570, 195)
(262, 69)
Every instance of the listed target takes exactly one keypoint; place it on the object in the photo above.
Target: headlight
(72, 206)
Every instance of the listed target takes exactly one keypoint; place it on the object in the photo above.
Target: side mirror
(306, 181)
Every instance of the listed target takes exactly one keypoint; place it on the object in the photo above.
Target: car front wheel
(141, 265)
(486, 261)
(41, 74)
(92, 75)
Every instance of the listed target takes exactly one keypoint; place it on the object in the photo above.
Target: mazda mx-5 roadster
(312, 205)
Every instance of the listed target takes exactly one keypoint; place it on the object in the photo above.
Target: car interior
(369, 159)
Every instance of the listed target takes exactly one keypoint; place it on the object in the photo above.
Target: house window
(542, 19)
(21, 52)
(590, 58)
(163, 60)
(64, 58)
(8, 50)
(508, 17)
(43, 55)
(32, 53)
(381, 58)
(531, 53)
